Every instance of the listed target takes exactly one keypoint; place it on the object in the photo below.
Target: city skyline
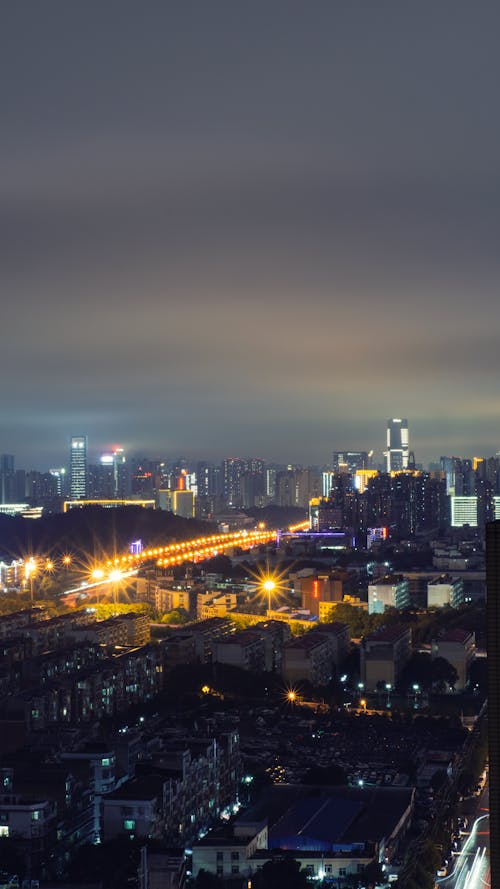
(29, 458)
(257, 231)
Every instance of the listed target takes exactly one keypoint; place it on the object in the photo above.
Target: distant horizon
(59, 457)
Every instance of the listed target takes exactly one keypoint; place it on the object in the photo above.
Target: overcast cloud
(249, 228)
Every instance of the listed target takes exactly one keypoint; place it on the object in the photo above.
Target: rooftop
(307, 641)
(335, 628)
(147, 788)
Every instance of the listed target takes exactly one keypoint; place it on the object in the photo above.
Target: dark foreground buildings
(493, 614)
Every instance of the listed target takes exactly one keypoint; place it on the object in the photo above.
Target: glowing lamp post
(29, 574)
(269, 586)
(416, 691)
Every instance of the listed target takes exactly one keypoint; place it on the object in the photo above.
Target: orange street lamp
(269, 585)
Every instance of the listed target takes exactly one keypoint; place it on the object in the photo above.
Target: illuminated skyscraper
(398, 448)
(110, 477)
(78, 467)
(351, 461)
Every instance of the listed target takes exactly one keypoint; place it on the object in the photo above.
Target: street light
(388, 688)
(363, 703)
(269, 585)
(29, 572)
(115, 575)
(416, 689)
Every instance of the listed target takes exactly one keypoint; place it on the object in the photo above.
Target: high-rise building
(7, 479)
(60, 480)
(350, 461)
(109, 478)
(493, 645)
(234, 468)
(397, 445)
(78, 467)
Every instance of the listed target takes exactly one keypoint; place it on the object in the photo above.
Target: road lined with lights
(112, 571)
(196, 550)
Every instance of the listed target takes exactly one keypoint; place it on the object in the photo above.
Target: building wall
(493, 644)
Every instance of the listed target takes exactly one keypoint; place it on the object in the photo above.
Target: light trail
(469, 874)
(195, 550)
(97, 583)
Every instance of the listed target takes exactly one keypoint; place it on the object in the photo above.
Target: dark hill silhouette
(95, 531)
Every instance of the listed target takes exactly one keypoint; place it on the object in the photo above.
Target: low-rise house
(245, 649)
(308, 657)
(384, 654)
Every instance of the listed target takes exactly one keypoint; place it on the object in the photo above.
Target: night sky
(249, 228)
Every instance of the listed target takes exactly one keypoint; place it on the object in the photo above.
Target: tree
(418, 671)
(206, 880)
(282, 873)
(439, 780)
(177, 616)
(373, 874)
(11, 860)
(443, 675)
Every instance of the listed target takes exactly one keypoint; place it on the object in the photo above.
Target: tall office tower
(208, 480)
(252, 489)
(493, 645)
(397, 445)
(271, 474)
(351, 461)
(110, 478)
(60, 477)
(7, 478)
(233, 468)
(203, 478)
(78, 467)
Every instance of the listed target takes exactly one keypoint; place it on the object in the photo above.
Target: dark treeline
(94, 530)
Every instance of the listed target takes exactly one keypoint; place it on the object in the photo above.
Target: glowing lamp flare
(115, 575)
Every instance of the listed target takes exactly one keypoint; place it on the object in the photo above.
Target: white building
(388, 592)
(463, 511)
(445, 590)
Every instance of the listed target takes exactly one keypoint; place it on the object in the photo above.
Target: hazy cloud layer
(249, 229)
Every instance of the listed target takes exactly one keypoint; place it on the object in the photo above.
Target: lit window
(4, 830)
(129, 824)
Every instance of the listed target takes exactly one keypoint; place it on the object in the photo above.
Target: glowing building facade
(398, 448)
(78, 467)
